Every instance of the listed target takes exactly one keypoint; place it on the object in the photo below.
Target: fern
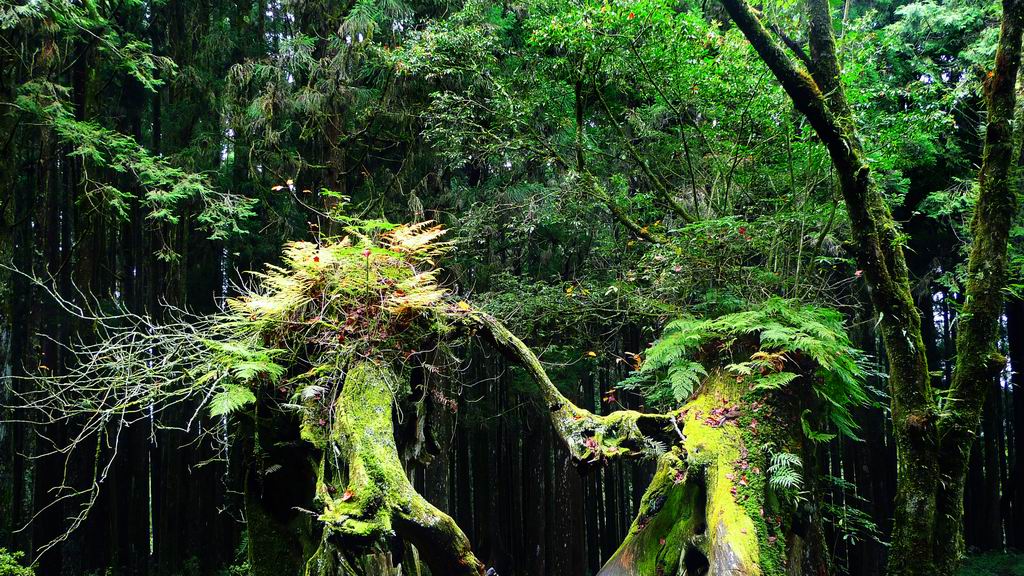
(654, 448)
(741, 368)
(784, 471)
(246, 362)
(817, 436)
(774, 381)
(231, 398)
(786, 331)
(684, 377)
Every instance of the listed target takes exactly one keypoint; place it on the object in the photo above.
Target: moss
(719, 450)
(361, 509)
(588, 436)
(366, 498)
(670, 519)
(762, 507)
(706, 499)
(311, 431)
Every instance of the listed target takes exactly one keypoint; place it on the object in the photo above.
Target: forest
(511, 288)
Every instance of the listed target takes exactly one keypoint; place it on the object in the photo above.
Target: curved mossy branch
(371, 501)
(590, 438)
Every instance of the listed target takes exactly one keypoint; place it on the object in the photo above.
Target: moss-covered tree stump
(710, 508)
(366, 500)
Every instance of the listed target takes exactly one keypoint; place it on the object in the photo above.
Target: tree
(318, 354)
(632, 198)
(933, 446)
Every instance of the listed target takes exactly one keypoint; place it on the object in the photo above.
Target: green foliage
(370, 293)
(241, 566)
(816, 435)
(230, 399)
(994, 564)
(848, 516)
(85, 20)
(168, 189)
(784, 471)
(495, 115)
(683, 378)
(807, 339)
(244, 361)
(10, 564)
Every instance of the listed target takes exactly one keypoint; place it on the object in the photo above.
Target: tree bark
(711, 507)
(369, 500)
(978, 360)
(928, 513)
(879, 252)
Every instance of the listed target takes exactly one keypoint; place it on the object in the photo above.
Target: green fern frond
(741, 368)
(774, 381)
(786, 330)
(684, 377)
(784, 471)
(230, 399)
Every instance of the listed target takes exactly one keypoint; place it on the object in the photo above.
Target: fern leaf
(230, 399)
(784, 471)
(774, 381)
(684, 378)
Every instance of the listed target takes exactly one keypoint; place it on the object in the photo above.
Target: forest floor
(994, 564)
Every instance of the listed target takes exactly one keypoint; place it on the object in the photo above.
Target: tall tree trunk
(879, 254)
(978, 361)
(926, 535)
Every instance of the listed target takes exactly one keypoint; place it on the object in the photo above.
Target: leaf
(787, 331)
(684, 378)
(774, 381)
(784, 471)
(230, 399)
(812, 434)
(312, 391)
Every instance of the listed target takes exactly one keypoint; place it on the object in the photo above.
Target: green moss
(670, 519)
(365, 496)
(707, 495)
(720, 452)
(757, 497)
(363, 430)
